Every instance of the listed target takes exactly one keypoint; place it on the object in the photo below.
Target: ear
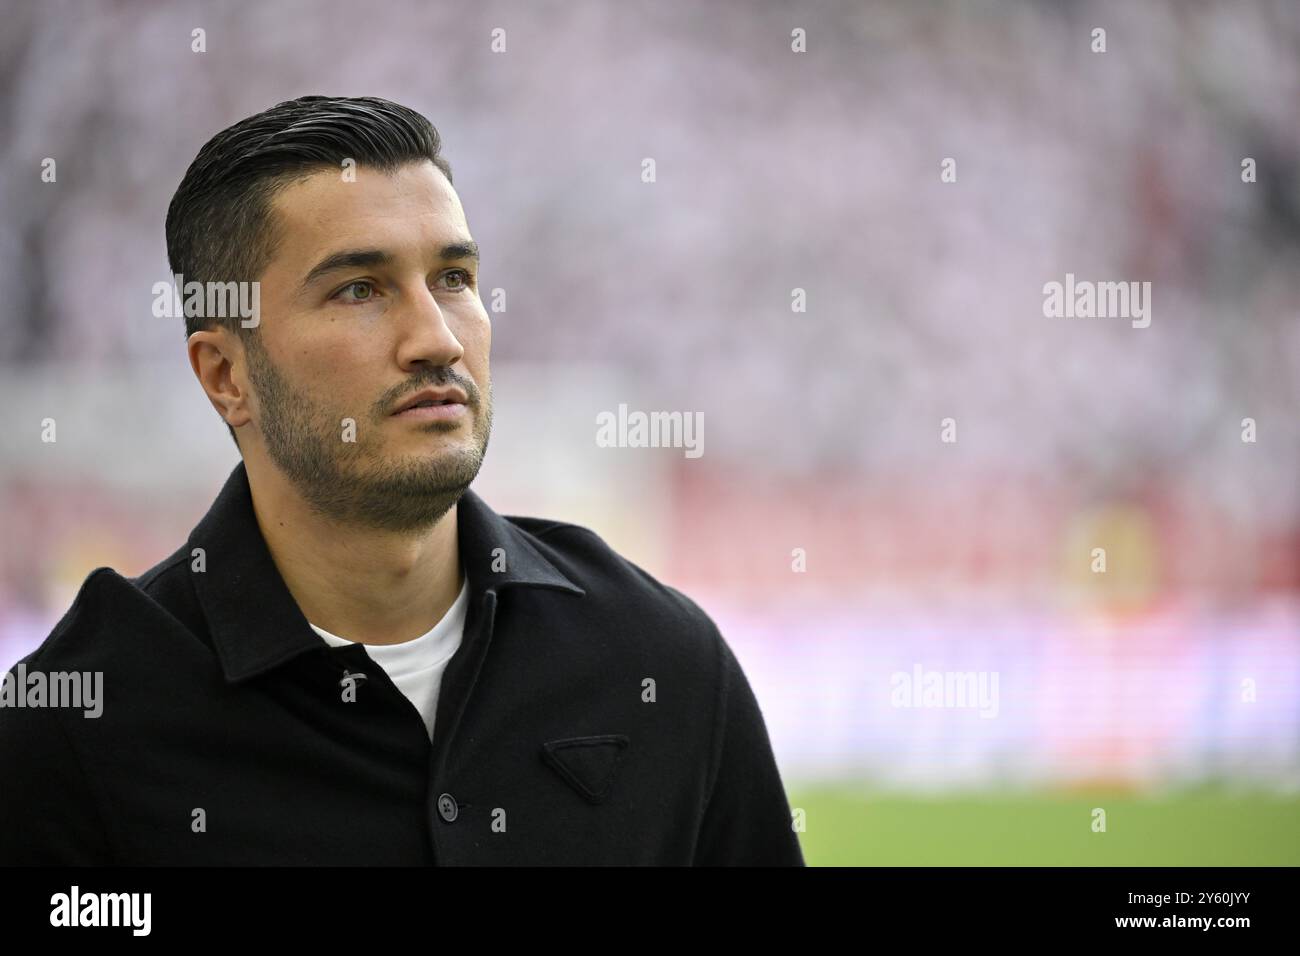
(218, 359)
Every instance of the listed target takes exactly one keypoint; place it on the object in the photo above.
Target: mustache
(435, 378)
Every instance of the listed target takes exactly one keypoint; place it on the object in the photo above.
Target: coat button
(447, 807)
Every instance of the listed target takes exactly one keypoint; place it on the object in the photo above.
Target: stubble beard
(347, 481)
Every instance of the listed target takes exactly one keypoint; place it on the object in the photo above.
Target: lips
(430, 397)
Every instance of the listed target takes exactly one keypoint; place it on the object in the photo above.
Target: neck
(366, 585)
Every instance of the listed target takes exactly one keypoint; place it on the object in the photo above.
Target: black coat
(225, 737)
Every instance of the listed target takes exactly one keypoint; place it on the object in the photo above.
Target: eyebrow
(360, 258)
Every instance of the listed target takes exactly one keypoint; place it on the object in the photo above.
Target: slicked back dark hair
(219, 225)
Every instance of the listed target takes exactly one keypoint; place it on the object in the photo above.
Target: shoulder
(109, 608)
(632, 614)
(53, 806)
(611, 580)
(64, 647)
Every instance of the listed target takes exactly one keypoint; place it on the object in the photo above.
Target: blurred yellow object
(73, 559)
(1111, 558)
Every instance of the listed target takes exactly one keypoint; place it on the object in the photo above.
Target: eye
(360, 285)
(465, 279)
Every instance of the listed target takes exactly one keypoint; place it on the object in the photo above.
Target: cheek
(477, 323)
(329, 374)
(476, 338)
(335, 372)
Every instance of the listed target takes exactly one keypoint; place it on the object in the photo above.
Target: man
(353, 659)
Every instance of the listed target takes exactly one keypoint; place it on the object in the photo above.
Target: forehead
(413, 204)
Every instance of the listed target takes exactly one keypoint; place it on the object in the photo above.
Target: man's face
(371, 297)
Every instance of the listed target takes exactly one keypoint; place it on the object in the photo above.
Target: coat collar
(255, 622)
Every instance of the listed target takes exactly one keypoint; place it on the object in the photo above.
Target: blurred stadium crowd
(775, 171)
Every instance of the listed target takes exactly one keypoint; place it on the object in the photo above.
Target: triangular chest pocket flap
(589, 764)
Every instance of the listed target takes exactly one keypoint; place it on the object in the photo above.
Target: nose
(425, 336)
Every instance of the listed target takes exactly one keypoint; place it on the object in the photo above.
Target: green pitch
(845, 826)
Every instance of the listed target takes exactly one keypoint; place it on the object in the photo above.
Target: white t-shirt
(416, 666)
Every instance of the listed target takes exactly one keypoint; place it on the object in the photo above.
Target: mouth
(443, 403)
(429, 410)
